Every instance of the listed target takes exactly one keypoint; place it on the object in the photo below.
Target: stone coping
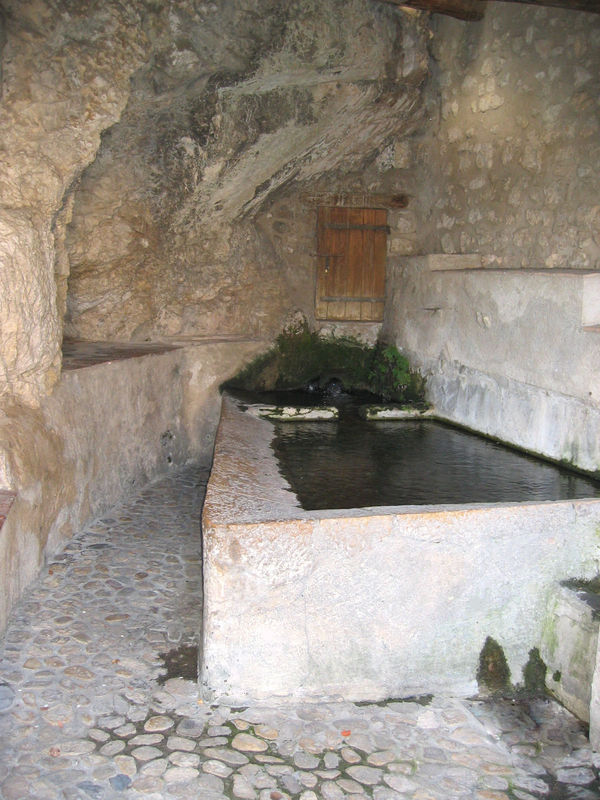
(79, 353)
(6, 500)
(247, 487)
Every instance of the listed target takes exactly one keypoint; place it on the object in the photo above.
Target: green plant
(301, 355)
(534, 672)
(493, 675)
(390, 373)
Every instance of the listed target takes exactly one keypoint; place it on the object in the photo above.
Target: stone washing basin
(368, 603)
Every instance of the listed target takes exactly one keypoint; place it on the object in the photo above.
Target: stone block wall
(509, 162)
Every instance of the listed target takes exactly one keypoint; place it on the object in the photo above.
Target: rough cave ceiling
(238, 102)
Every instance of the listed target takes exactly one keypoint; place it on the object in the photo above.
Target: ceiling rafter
(474, 9)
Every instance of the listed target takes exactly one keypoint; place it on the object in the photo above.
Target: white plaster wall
(504, 352)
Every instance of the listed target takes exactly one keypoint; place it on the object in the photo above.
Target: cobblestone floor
(83, 715)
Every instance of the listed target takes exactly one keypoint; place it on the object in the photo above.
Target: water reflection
(350, 464)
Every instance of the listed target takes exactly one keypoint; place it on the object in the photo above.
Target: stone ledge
(79, 353)
(6, 500)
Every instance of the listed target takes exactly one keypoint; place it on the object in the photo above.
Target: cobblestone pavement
(83, 715)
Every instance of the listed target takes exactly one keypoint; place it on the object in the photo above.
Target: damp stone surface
(83, 713)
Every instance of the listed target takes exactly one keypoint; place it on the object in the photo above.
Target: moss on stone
(493, 675)
(301, 356)
(549, 634)
(534, 672)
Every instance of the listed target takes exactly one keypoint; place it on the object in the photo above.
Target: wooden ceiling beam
(474, 9)
(593, 6)
(461, 9)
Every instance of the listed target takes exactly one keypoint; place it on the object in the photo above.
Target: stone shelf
(6, 500)
(78, 353)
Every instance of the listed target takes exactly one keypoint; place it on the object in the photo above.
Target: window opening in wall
(351, 256)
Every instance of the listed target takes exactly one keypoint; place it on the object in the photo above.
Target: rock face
(512, 170)
(65, 78)
(242, 103)
(152, 157)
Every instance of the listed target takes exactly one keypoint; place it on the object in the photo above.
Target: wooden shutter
(351, 256)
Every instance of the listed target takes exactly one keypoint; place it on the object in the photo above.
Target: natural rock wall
(143, 145)
(510, 170)
(242, 104)
(65, 78)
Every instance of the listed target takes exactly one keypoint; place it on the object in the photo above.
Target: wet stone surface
(83, 714)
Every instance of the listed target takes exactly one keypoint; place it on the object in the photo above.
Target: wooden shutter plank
(352, 251)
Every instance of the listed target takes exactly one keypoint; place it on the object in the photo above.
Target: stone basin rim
(251, 490)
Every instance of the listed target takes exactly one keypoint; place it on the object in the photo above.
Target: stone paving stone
(125, 730)
(400, 783)
(367, 775)
(211, 783)
(305, 760)
(350, 786)
(381, 758)
(182, 759)
(308, 779)
(218, 768)
(180, 743)
(82, 714)
(578, 776)
(180, 774)
(242, 788)
(266, 732)
(146, 738)
(112, 748)
(155, 767)
(248, 743)
(349, 755)
(218, 730)
(331, 791)
(228, 756)
(126, 764)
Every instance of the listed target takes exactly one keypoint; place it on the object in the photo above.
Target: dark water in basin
(354, 464)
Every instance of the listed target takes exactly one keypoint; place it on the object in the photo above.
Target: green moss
(591, 585)
(300, 356)
(493, 675)
(534, 672)
(549, 634)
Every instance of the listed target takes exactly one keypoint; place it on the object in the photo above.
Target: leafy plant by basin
(301, 356)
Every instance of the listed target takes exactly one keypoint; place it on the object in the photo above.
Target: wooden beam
(593, 6)
(474, 9)
(356, 200)
(461, 9)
